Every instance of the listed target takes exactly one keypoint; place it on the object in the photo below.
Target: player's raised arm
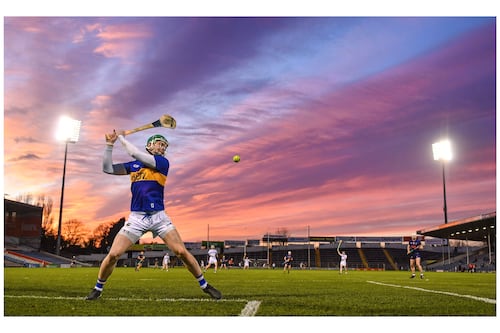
(136, 153)
(107, 162)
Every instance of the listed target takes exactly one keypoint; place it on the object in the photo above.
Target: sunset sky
(333, 118)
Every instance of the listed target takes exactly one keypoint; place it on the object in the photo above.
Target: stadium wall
(22, 224)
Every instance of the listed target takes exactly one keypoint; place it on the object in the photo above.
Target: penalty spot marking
(476, 298)
(249, 310)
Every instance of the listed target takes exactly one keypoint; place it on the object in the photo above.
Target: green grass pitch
(255, 292)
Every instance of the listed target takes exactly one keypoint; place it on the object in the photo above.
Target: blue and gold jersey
(415, 247)
(147, 184)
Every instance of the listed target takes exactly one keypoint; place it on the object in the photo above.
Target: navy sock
(100, 284)
(201, 281)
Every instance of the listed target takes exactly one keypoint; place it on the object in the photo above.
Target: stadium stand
(324, 256)
(36, 259)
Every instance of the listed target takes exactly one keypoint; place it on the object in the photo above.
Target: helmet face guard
(152, 140)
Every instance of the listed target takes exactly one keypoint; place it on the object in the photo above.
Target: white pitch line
(476, 298)
(250, 309)
(237, 300)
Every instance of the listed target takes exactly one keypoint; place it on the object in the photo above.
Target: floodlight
(442, 150)
(68, 129)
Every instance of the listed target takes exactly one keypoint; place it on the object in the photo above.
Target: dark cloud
(29, 157)
(188, 51)
(25, 140)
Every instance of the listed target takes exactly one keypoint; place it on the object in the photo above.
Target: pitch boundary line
(476, 298)
(250, 309)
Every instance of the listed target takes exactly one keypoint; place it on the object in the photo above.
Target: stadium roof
(477, 228)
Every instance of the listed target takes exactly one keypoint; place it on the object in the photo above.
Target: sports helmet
(152, 139)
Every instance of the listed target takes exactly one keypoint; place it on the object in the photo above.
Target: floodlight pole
(442, 151)
(445, 209)
(69, 131)
(208, 236)
(268, 250)
(308, 247)
(58, 246)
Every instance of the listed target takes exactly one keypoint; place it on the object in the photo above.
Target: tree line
(76, 238)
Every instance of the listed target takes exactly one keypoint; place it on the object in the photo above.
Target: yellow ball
(236, 158)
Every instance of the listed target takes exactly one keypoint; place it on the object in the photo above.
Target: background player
(246, 262)
(413, 250)
(288, 262)
(212, 258)
(140, 261)
(343, 261)
(148, 175)
(166, 261)
(223, 262)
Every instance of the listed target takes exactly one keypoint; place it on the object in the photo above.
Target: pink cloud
(121, 40)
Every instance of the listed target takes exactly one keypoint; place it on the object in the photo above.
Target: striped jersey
(147, 184)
